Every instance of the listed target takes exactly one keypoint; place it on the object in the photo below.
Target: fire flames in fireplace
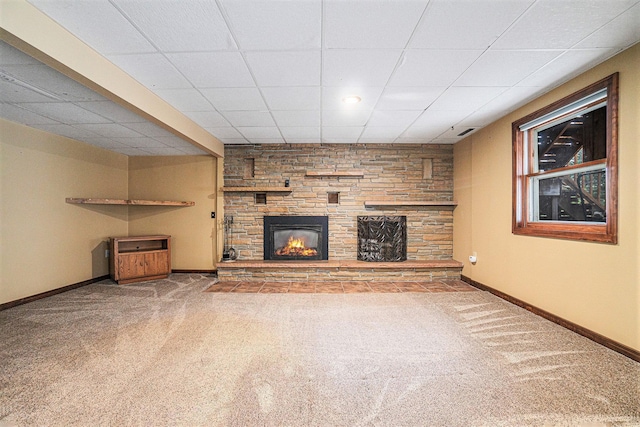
(296, 247)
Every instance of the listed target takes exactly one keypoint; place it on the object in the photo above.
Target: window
(565, 181)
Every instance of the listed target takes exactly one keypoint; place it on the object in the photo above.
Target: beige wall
(594, 285)
(193, 178)
(46, 243)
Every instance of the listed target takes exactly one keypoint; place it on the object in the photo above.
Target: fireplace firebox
(296, 238)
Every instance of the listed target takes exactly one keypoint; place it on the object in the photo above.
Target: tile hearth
(340, 287)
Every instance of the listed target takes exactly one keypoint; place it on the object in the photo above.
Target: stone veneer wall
(391, 173)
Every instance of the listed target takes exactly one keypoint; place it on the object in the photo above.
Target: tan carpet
(167, 353)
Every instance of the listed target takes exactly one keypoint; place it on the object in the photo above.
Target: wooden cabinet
(136, 259)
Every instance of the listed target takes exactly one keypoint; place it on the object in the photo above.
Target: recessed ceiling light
(351, 99)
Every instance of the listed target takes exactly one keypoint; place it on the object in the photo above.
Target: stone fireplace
(296, 238)
(340, 183)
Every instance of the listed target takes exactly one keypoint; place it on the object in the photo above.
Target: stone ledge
(340, 264)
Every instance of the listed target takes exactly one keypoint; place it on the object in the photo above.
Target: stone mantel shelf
(256, 189)
(397, 204)
(336, 174)
(132, 202)
(341, 264)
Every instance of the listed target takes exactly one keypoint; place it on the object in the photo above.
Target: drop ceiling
(257, 71)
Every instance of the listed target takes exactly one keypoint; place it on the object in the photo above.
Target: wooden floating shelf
(256, 189)
(336, 174)
(383, 204)
(134, 202)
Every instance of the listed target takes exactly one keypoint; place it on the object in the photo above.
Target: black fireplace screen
(382, 238)
(296, 238)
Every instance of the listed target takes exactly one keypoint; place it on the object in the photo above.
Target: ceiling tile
(362, 24)
(103, 142)
(9, 55)
(303, 140)
(412, 140)
(164, 151)
(621, 32)
(341, 132)
(232, 141)
(113, 130)
(433, 123)
(259, 131)
(25, 117)
(207, 118)
(285, 68)
(339, 140)
(249, 118)
(153, 70)
(192, 150)
(235, 99)
(387, 132)
(358, 67)
(275, 24)
(332, 97)
(566, 66)
(142, 142)
(266, 140)
(483, 22)
(408, 98)
(64, 112)
(292, 98)
(96, 22)
(440, 140)
(131, 151)
(171, 141)
(560, 24)
(505, 67)
(300, 132)
(439, 118)
(194, 25)
(466, 98)
(294, 118)
(423, 133)
(499, 106)
(393, 118)
(185, 99)
(46, 81)
(224, 132)
(213, 69)
(111, 111)
(66, 130)
(147, 129)
(432, 67)
(380, 140)
(16, 93)
(345, 118)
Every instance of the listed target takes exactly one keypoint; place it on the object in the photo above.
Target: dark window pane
(581, 139)
(573, 197)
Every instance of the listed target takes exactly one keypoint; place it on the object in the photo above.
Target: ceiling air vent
(466, 131)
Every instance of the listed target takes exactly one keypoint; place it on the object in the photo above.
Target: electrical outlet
(213, 215)
(106, 253)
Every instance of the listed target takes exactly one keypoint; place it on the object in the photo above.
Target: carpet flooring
(166, 353)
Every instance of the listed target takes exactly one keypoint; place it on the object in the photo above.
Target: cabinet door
(156, 263)
(130, 266)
